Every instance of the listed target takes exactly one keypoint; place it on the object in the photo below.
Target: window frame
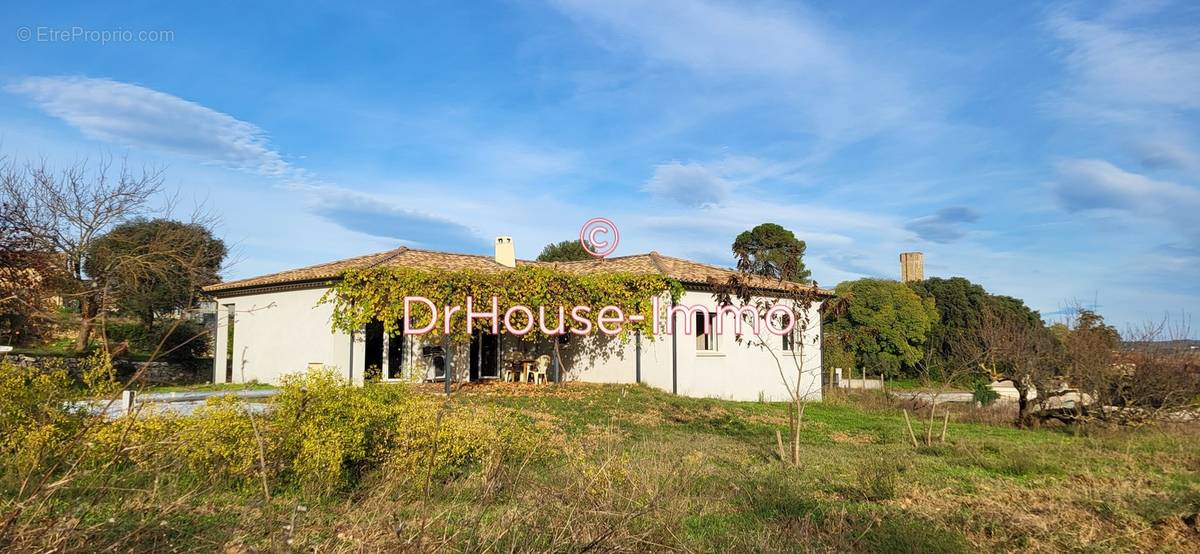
(706, 334)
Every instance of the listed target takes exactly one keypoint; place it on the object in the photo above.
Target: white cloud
(794, 64)
(1128, 65)
(945, 226)
(137, 116)
(1099, 186)
(714, 37)
(381, 217)
(689, 184)
(1132, 77)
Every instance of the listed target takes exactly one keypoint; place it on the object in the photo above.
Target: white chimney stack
(506, 253)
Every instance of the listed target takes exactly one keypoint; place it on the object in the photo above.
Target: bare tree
(1160, 367)
(791, 352)
(66, 211)
(1027, 355)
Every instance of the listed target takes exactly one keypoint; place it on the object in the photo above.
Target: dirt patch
(850, 438)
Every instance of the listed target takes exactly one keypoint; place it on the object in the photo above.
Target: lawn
(629, 468)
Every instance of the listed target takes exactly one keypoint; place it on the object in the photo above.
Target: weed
(877, 479)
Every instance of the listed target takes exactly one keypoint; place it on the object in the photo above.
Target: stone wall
(151, 373)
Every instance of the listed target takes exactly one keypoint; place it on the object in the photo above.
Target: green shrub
(219, 440)
(984, 394)
(131, 332)
(181, 339)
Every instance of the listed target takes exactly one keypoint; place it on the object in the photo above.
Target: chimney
(912, 266)
(506, 254)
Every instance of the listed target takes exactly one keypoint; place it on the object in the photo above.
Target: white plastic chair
(543, 365)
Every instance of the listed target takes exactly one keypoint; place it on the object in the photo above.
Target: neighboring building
(272, 325)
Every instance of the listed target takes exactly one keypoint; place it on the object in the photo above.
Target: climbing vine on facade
(378, 294)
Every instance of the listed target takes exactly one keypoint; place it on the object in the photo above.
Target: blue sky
(1046, 151)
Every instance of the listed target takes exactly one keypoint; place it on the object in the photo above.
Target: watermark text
(95, 36)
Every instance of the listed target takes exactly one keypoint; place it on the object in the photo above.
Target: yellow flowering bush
(465, 436)
(140, 440)
(98, 375)
(319, 433)
(218, 439)
(33, 414)
(333, 431)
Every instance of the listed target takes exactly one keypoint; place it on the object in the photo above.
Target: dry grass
(637, 470)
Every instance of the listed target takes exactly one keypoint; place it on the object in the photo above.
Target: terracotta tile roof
(685, 271)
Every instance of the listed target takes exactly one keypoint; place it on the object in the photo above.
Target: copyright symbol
(24, 34)
(599, 237)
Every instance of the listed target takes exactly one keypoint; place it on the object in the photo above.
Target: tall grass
(572, 468)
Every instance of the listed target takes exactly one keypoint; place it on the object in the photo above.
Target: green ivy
(365, 295)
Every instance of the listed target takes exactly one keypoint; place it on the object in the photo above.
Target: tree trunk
(932, 411)
(87, 312)
(796, 434)
(558, 363)
(1023, 406)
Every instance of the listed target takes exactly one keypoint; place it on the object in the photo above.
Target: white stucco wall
(279, 333)
(746, 371)
(284, 332)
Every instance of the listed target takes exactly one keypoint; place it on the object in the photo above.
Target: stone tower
(912, 267)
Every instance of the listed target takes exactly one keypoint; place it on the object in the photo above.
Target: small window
(789, 341)
(706, 331)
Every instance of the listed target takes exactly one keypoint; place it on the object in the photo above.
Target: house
(272, 325)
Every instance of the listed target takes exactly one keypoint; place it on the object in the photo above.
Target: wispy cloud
(690, 184)
(1114, 60)
(712, 36)
(380, 217)
(1136, 80)
(133, 115)
(137, 116)
(852, 263)
(1097, 186)
(808, 71)
(945, 226)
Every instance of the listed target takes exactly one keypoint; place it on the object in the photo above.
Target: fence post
(127, 401)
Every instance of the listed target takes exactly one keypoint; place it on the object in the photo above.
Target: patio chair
(543, 365)
(512, 371)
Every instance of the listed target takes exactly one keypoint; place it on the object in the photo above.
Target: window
(789, 341)
(706, 331)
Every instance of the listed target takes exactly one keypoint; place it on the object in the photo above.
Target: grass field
(628, 468)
